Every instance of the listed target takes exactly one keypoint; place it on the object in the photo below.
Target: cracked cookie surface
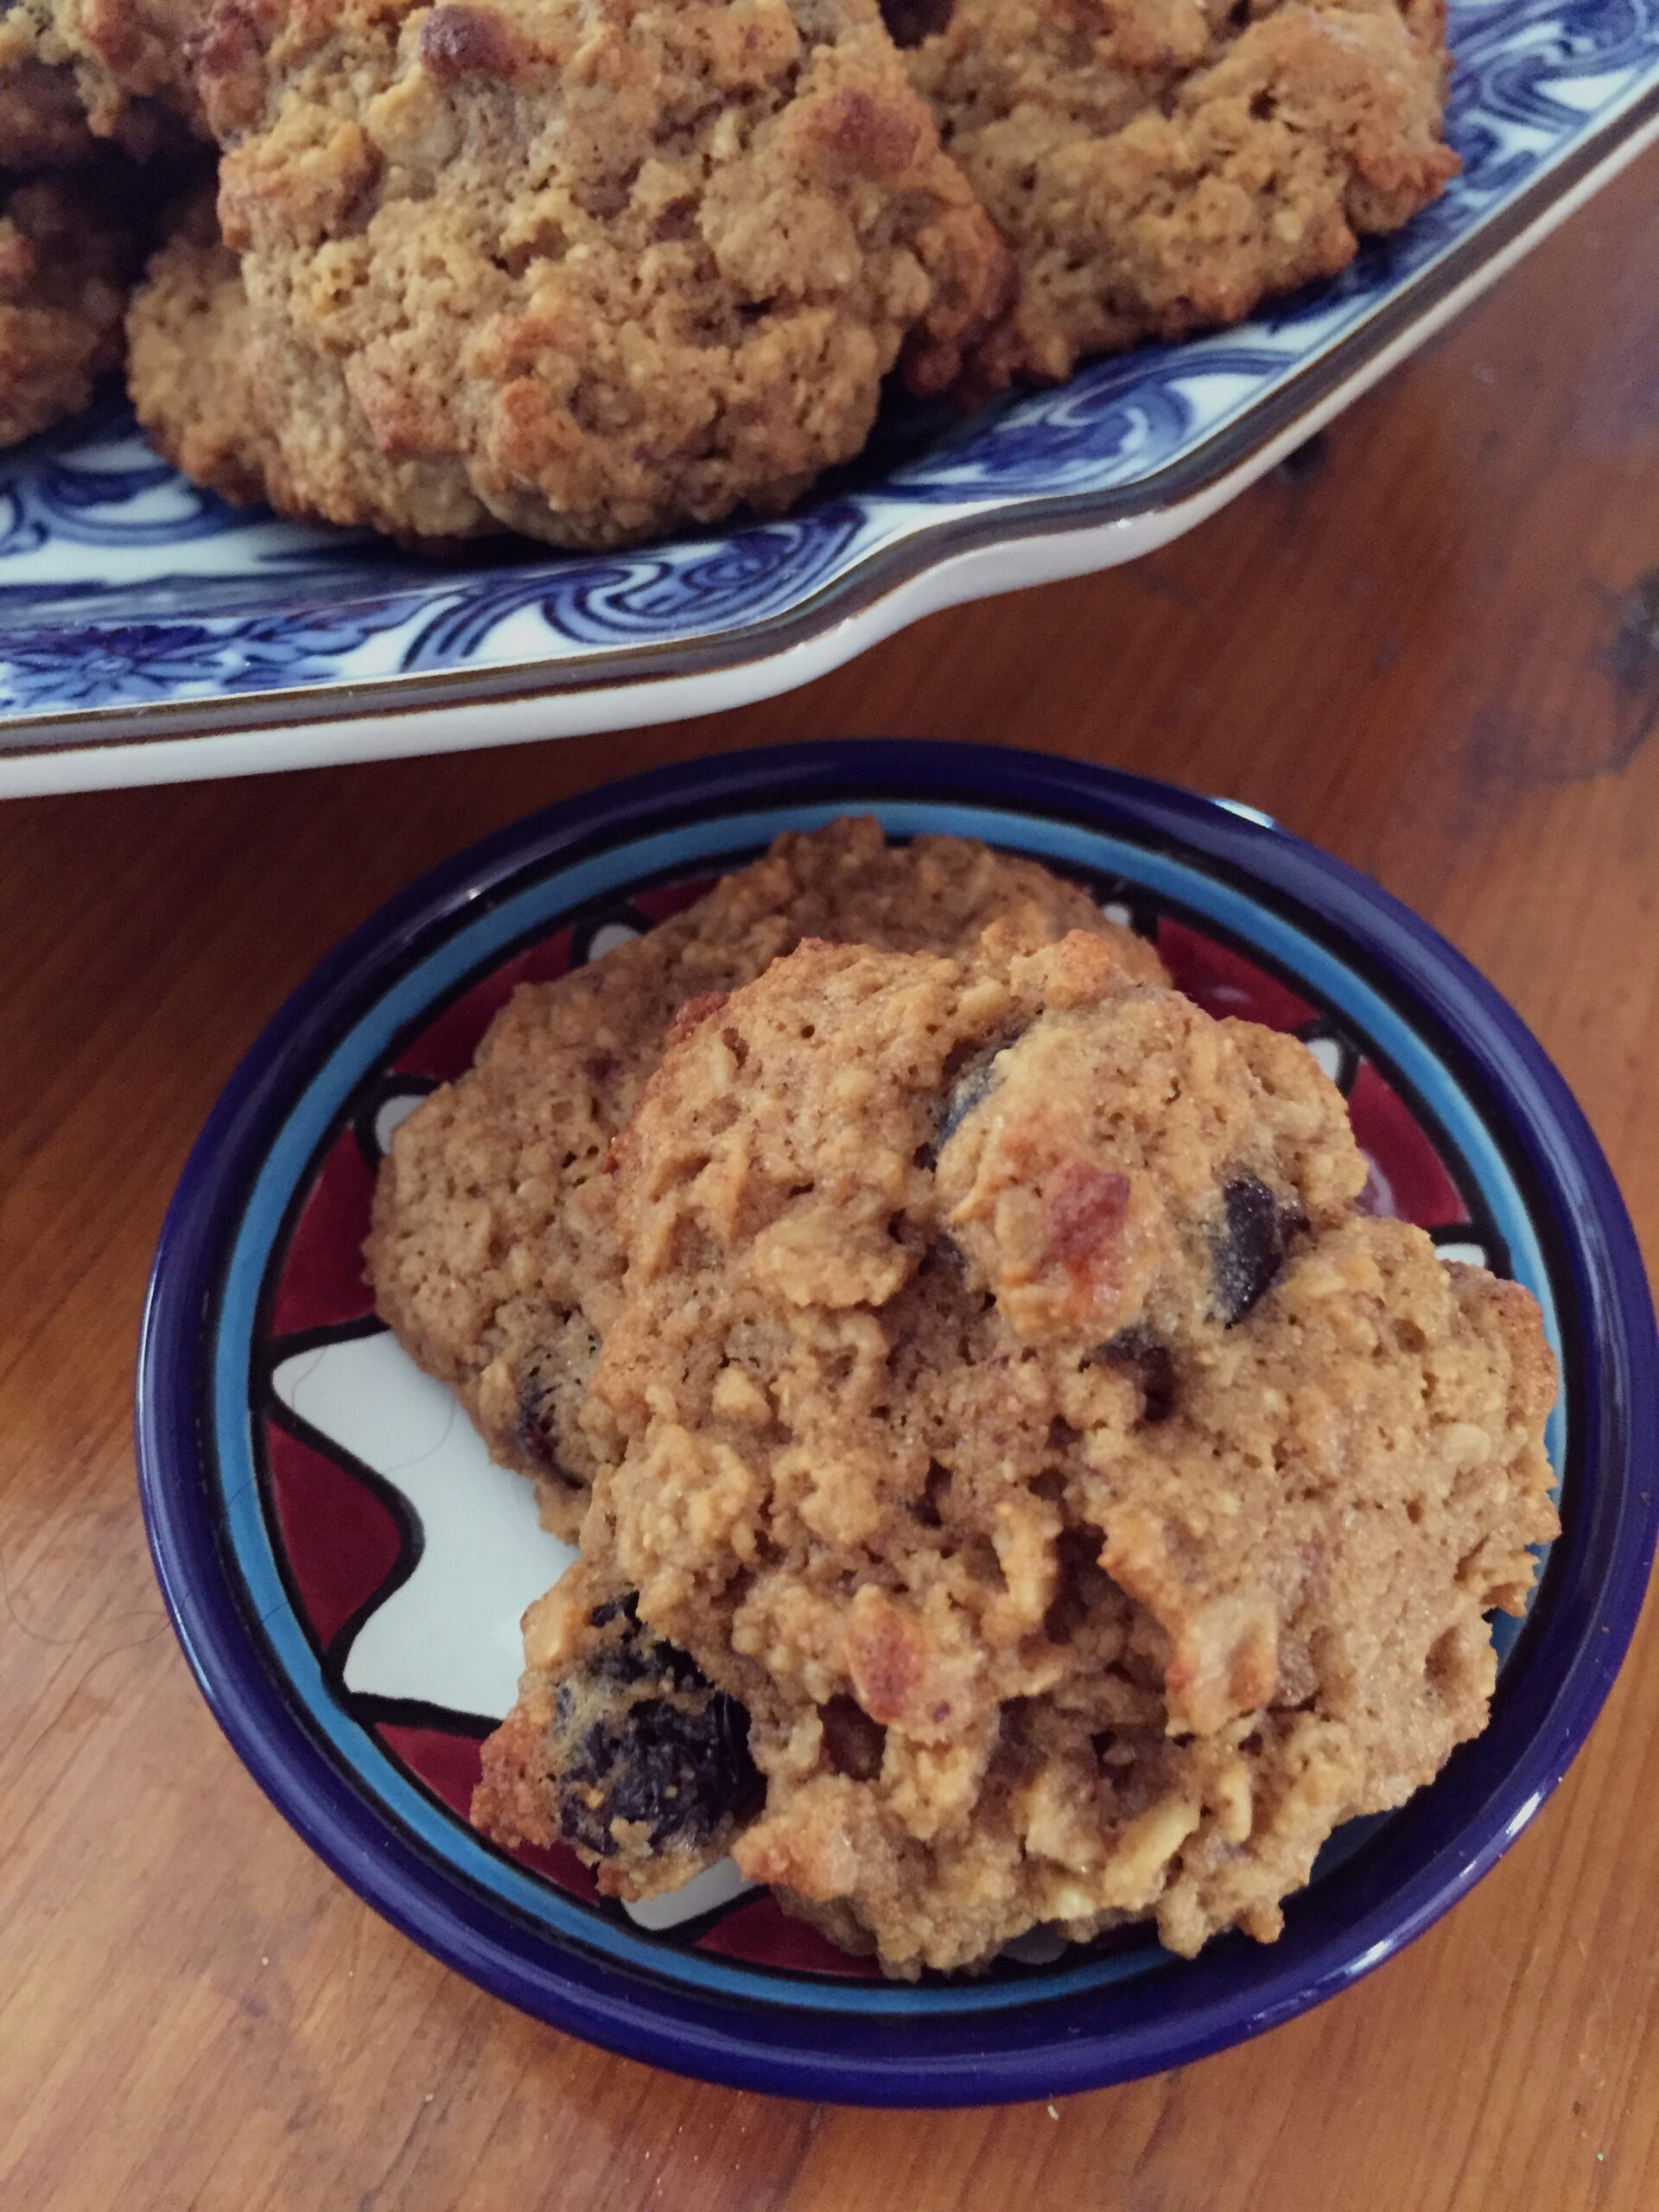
(212, 384)
(76, 72)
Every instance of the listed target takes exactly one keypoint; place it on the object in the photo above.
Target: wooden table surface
(1432, 646)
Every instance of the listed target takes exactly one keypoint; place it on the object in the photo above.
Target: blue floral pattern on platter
(122, 586)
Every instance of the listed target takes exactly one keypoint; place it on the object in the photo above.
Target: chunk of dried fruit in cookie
(1008, 1408)
(623, 1749)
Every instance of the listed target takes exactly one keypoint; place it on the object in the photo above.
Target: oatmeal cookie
(493, 1253)
(76, 72)
(597, 269)
(64, 262)
(1161, 165)
(1008, 1408)
(211, 382)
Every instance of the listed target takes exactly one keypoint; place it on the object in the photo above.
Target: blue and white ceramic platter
(148, 632)
(346, 1569)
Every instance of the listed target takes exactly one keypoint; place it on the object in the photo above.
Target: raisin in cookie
(654, 1760)
(601, 268)
(1008, 1406)
(493, 1253)
(1159, 166)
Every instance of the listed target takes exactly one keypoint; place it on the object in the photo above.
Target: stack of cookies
(94, 109)
(596, 270)
(1016, 1483)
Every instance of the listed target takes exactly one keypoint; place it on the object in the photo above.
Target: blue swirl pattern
(121, 585)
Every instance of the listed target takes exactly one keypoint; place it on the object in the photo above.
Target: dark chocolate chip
(649, 1659)
(909, 21)
(636, 1656)
(1137, 1347)
(1157, 1384)
(927, 1508)
(970, 1081)
(530, 1433)
(1132, 1342)
(971, 1087)
(1248, 1252)
(639, 1734)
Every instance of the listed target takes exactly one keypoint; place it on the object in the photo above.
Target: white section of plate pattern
(449, 1636)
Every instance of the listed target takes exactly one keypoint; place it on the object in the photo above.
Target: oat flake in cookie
(1160, 166)
(1008, 1408)
(589, 270)
(493, 1253)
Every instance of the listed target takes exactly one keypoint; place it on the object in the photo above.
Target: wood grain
(1432, 646)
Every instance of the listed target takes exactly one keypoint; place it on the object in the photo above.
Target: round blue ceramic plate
(346, 1570)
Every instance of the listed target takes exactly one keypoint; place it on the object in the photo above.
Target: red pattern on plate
(762, 1934)
(1419, 1188)
(340, 1541)
(321, 1282)
(445, 1047)
(1223, 982)
(760, 1931)
(668, 899)
(448, 1765)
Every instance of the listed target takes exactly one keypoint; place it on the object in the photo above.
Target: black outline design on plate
(377, 1094)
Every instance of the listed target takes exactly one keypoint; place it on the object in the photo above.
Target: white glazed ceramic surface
(147, 632)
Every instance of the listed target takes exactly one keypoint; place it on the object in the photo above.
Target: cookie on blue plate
(493, 1253)
(1008, 1406)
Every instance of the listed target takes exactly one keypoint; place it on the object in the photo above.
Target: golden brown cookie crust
(1076, 1559)
(1160, 167)
(493, 1252)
